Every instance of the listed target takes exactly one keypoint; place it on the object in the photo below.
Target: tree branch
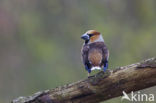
(100, 87)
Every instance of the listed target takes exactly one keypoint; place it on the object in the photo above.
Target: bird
(94, 52)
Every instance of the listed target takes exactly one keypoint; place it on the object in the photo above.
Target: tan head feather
(96, 35)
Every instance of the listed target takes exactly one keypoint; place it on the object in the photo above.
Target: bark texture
(100, 87)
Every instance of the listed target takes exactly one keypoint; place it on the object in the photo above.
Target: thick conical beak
(85, 37)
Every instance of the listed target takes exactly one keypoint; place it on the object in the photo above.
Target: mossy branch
(100, 87)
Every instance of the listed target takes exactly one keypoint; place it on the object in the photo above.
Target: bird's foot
(89, 75)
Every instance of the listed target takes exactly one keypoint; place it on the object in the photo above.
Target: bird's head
(92, 36)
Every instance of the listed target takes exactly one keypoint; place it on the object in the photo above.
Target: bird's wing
(105, 53)
(84, 52)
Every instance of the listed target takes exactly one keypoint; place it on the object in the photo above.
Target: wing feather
(84, 52)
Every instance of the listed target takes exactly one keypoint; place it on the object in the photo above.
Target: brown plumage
(94, 51)
(95, 57)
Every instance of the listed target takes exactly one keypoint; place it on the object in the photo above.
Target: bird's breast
(95, 57)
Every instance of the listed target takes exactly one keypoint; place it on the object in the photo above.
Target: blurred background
(40, 40)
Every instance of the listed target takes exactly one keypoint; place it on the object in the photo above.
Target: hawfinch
(94, 51)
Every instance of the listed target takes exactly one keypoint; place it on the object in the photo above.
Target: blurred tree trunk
(100, 87)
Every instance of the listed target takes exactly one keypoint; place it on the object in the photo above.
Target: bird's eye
(90, 35)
